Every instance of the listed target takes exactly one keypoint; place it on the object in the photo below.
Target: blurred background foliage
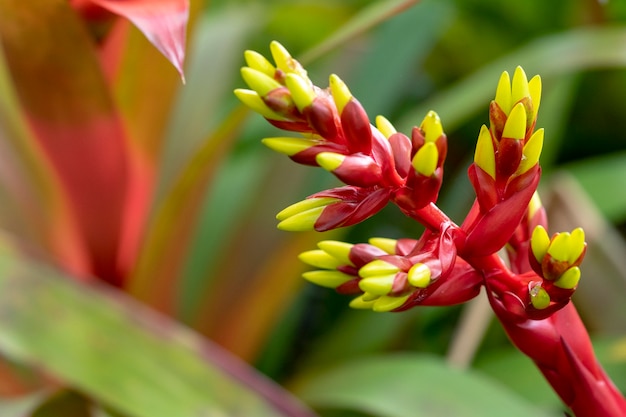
(213, 260)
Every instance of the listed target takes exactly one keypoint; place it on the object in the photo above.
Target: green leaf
(578, 49)
(215, 54)
(200, 132)
(603, 179)
(367, 18)
(519, 374)
(357, 333)
(22, 406)
(409, 385)
(398, 47)
(119, 352)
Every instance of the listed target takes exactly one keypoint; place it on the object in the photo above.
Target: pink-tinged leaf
(121, 354)
(145, 98)
(163, 22)
(34, 207)
(60, 85)
(173, 220)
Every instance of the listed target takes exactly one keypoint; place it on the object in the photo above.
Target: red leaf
(163, 22)
(67, 103)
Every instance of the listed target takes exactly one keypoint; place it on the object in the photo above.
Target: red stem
(560, 347)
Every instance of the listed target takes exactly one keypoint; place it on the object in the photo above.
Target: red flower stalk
(449, 263)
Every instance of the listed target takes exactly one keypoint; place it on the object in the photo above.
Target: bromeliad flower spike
(530, 294)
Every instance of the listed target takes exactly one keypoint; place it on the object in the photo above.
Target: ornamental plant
(502, 245)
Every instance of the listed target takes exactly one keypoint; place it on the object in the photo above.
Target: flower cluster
(376, 163)
(379, 165)
(529, 291)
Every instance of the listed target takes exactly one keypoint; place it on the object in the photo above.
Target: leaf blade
(118, 351)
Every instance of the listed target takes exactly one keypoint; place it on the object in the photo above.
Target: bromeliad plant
(529, 291)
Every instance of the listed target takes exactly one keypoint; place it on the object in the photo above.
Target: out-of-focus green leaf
(227, 202)
(356, 333)
(611, 352)
(519, 374)
(64, 403)
(603, 179)
(200, 132)
(216, 53)
(586, 48)
(398, 47)
(122, 354)
(556, 105)
(366, 19)
(22, 406)
(409, 385)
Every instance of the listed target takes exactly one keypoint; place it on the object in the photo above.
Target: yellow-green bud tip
(252, 99)
(281, 56)
(578, 244)
(534, 205)
(503, 93)
(301, 216)
(384, 126)
(426, 158)
(328, 279)
(388, 303)
(485, 156)
(569, 279)
(259, 62)
(431, 126)
(340, 92)
(259, 81)
(534, 86)
(519, 85)
(378, 285)
(568, 247)
(531, 152)
(388, 245)
(362, 302)
(330, 161)
(319, 259)
(539, 243)
(377, 267)
(301, 222)
(301, 90)
(515, 126)
(539, 297)
(305, 205)
(419, 275)
(338, 250)
(288, 146)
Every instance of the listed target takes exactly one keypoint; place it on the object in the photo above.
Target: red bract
(449, 263)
